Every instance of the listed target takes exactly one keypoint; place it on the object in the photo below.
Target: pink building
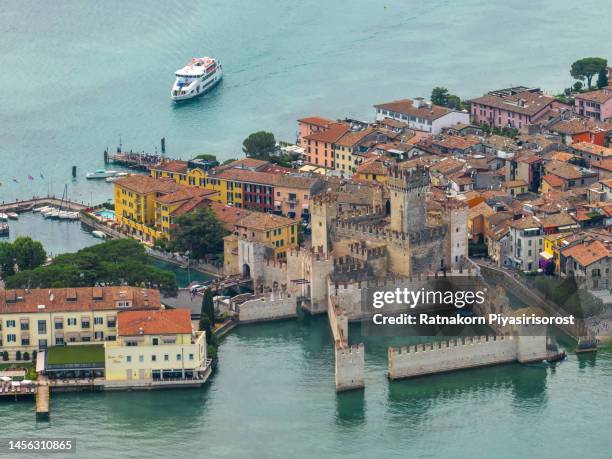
(595, 104)
(512, 107)
(292, 194)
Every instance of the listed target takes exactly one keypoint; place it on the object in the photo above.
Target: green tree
(7, 259)
(454, 102)
(208, 306)
(439, 96)
(198, 232)
(116, 262)
(206, 157)
(259, 145)
(587, 68)
(29, 254)
(578, 86)
(602, 77)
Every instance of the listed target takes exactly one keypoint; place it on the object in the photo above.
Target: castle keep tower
(407, 190)
(323, 211)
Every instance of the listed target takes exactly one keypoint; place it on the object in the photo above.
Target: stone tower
(407, 192)
(323, 212)
(457, 239)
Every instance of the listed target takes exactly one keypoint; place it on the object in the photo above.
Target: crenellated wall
(461, 353)
(272, 306)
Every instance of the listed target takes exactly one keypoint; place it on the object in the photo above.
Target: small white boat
(13, 215)
(63, 214)
(46, 210)
(99, 234)
(117, 177)
(100, 174)
(3, 217)
(39, 209)
(73, 215)
(53, 213)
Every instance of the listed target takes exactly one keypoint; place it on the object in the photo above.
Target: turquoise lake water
(75, 76)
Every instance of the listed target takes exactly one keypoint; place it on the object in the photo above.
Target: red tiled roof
(406, 107)
(79, 299)
(316, 120)
(157, 322)
(553, 180)
(331, 134)
(526, 103)
(587, 253)
(172, 166)
(600, 96)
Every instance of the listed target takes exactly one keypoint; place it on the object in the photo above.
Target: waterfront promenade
(29, 204)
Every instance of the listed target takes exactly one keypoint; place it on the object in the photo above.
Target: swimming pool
(105, 213)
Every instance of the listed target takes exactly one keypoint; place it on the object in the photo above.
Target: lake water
(273, 396)
(76, 76)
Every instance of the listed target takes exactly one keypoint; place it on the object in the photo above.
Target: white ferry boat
(197, 77)
(100, 174)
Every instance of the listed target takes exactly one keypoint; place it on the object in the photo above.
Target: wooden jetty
(29, 204)
(42, 399)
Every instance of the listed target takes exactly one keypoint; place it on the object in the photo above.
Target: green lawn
(90, 353)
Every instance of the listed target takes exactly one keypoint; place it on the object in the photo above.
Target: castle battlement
(369, 253)
(451, 343)
(348, 228)
(349, 351)
(408, 179)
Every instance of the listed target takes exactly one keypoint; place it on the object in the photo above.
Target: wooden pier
(29, 204)
(42, 399)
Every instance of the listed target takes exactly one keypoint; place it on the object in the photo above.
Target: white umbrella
(16, 383)
(26, 381)
(5, 378)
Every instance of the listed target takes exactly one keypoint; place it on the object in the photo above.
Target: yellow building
(281, 233)
(373, 170)
(172, 169)
(145, 206)
(35, 319)
(552, 244)
(153, 346)
(346, 149)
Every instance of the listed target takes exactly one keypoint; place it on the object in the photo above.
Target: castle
(388, 239)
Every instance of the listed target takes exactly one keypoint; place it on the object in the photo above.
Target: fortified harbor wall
(461, 353)
(274, 306)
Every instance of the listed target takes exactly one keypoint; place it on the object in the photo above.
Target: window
(153, 358)
(155, 341)
(190, 356)
(25, 341)
(72, 321)
(98, 320)
(42, 343)
(11, 338)
(141, 358)
(59, 325)
(59, 341)
(128, 359)
(99, 335)
(84, 323)
(166, 358)
(25, 325)
(10, 324)
(112, 323)
(178, 356)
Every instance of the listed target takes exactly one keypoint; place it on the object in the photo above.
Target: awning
(25, 334)
(72, 334)
(546, 255)
(25, 321)
(86, 334)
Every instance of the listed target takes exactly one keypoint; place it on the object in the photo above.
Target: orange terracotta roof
(553, 180)
(587, 253)
(353, 138)
(456, 142)
(264, 221)
(331, 134)
(526, 103)
(515, 183)
(158, 322)
(406, 107)
(592, 149)
(600, 96)
(227, 215)
(79, 299)
(372, 166)
(144, 184)
(172, 166)
(525, 223)
(316, 120)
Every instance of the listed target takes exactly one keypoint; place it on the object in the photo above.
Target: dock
(131, 160)
(42, 399)
(29, 204)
